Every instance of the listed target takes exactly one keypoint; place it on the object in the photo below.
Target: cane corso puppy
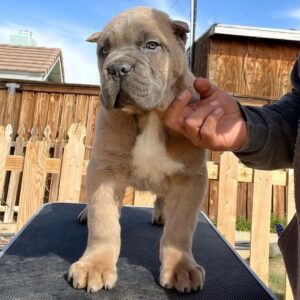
(143, 66)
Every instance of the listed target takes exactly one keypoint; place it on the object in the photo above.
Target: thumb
(204, 87)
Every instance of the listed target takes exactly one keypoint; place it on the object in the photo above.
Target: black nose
(120, 69)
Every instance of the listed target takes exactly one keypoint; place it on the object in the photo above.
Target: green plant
(275, 220)
(242, 224)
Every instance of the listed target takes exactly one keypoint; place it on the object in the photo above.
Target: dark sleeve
(272, 130)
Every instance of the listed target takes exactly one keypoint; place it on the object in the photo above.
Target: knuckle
(192, 123)
(207, 135)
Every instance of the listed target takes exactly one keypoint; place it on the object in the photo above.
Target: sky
(66, 24)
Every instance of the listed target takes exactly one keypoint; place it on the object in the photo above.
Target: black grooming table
(36, 263)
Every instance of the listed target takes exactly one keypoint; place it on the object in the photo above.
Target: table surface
(35, 264)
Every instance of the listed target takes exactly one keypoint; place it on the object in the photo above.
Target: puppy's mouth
(122, 100)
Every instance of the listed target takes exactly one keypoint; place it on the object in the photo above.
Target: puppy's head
(141, 59)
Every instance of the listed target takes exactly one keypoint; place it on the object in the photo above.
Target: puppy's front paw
(92, 275)
(184, 277)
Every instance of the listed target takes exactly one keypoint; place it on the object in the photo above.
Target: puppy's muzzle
(119, 70)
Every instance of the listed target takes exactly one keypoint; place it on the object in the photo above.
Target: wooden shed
(251, 63)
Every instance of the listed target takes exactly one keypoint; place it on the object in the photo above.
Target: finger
(204, 87)
(174, 114)
(208, 131)
(197, 118)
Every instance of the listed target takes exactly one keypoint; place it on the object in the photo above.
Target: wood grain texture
(278, 201)
(10, 112)
(34, 177)
(241, 210)
(67, 115)
(2, 106)
(55, 178)
(93, 112)
(54, 113)
(258, 67)
(129, 196)
(40, 112)
(260, 224)
(5, 139)
(72, 165)
(14, 180)
(202, 51)
(227, 197)
(228, 55)
(27, 111)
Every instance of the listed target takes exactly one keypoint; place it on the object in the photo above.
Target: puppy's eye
(152, 45)
(104, 51)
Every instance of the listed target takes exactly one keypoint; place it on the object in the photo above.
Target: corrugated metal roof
(255, 32)
(37, 60)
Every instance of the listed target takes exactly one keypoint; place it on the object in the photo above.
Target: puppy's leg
(178, 267)
(96, 268)
(158, 216)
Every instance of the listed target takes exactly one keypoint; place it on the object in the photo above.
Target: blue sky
(66, 24)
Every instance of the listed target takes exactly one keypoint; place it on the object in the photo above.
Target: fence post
(72, 165)
(227, 196)
(290, 212)
(14, 180)
(5, 139)
(34, 176)
(260, 224)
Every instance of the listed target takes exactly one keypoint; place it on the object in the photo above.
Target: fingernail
(218, 111)
(183, 95)
(214, 103)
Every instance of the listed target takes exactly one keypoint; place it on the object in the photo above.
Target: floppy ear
(180, 30)
(94, 38)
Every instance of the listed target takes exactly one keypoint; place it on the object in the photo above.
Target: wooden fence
(37, 104)
(30, 174)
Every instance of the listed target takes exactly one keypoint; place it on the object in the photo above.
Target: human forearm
(271, 134)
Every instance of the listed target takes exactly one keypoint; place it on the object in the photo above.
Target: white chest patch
(150, 158)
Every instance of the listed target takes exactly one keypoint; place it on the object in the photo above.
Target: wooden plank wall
(258, 68)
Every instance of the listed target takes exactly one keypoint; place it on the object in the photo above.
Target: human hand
(214, 122)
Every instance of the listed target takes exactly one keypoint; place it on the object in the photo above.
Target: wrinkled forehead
(129, 29)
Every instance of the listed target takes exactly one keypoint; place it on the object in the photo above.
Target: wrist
(241, 140)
